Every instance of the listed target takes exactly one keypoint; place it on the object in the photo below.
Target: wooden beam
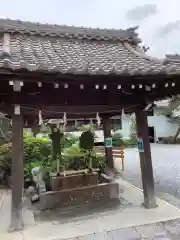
(145, 159)
(25, 75)
(71, 111)
(71, 97)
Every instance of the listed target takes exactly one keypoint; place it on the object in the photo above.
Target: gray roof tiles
(17, 26)
(53, 48)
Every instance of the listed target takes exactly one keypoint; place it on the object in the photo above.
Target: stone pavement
(5, 208)
(161, 231)
(131, 223)
(158, 231)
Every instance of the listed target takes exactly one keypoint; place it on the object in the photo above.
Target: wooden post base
(16, 219)
(17, 173)
(145, 159)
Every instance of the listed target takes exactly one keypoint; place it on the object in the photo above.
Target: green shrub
(5, 157)
(73, 151)
(130, 142)
(117, 140)
(68, 140)
(98, 161)
(36, 149)
(37, 152)
(75, 158)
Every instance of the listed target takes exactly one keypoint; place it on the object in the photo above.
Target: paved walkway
(5, 208)
(161, 223)
(4, 204)
(160, 231)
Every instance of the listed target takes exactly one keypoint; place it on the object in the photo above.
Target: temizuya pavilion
(83, 71)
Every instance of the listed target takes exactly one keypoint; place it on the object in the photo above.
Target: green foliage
(130, 142)
(37, 152)
(98, 161)
(74, 150)
(5, 130)
(117, 140)
(5, 157)
(36, 149)
(75, 158)
(86, 140)
(68, 140)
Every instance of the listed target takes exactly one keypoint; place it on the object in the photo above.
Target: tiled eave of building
(75, 50)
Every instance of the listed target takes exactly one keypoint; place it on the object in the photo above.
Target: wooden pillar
(108, 142)
(17, 162)
(145, 159)
(17, 172)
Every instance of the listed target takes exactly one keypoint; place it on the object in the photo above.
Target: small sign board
(140, 144)
(108, 142)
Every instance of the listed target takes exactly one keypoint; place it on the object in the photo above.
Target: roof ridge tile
(9, 25)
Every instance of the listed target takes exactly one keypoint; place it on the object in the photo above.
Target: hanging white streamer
(98, 119)
(91, 121)
(75, 124)
(65, 119)
(123, 115)
(26, 124)
(40, 118)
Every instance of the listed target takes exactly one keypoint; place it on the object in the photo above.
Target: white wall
(162, 127)
(126, 126)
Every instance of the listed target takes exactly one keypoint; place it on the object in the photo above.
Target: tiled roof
(76, 50)
(172, 58)
(62, 31)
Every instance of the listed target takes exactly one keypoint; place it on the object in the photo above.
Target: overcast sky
(159, 20)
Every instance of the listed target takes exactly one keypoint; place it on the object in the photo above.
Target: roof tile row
(57, 52)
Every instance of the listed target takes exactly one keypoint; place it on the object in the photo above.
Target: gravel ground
(166, 166)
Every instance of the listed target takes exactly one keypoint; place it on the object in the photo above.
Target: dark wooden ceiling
(81, 96)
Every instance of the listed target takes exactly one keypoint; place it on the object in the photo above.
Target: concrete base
(78, 196)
